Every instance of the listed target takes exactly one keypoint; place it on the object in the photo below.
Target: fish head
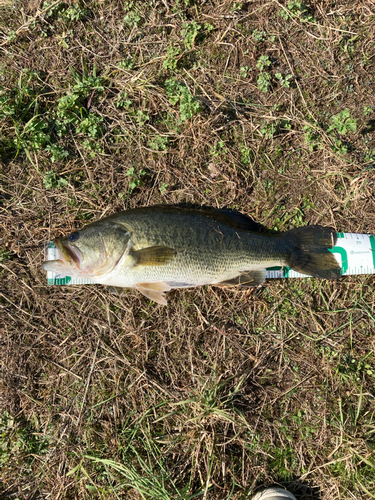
(93, 251)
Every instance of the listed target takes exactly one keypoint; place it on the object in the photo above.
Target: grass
(262, 107)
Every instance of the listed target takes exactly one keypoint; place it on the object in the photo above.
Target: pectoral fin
(153, 256)
(246, 279)
(154, 291)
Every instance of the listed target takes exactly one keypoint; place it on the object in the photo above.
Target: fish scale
(207, 251)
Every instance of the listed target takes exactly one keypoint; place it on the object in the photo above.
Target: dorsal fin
(232, 218)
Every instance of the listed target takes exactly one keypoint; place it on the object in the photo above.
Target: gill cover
(93, 251)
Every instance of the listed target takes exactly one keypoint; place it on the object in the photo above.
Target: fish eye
(74, 236)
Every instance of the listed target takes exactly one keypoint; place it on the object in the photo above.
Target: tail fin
(309, 251)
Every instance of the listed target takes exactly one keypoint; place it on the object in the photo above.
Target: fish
(159, 248)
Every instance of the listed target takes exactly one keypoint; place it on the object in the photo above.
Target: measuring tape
(355, 253)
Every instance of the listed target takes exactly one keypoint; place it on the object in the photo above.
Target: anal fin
(118, 290)
(154, 291)
(247, 279)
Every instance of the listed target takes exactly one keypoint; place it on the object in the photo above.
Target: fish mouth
(70, 257)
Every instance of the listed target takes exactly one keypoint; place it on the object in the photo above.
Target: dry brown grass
(223, 391)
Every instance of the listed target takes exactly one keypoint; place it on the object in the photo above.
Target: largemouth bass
(158, 248)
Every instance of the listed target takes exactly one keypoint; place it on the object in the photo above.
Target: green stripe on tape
(62, 281)
(372, 243)
(344, 257)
